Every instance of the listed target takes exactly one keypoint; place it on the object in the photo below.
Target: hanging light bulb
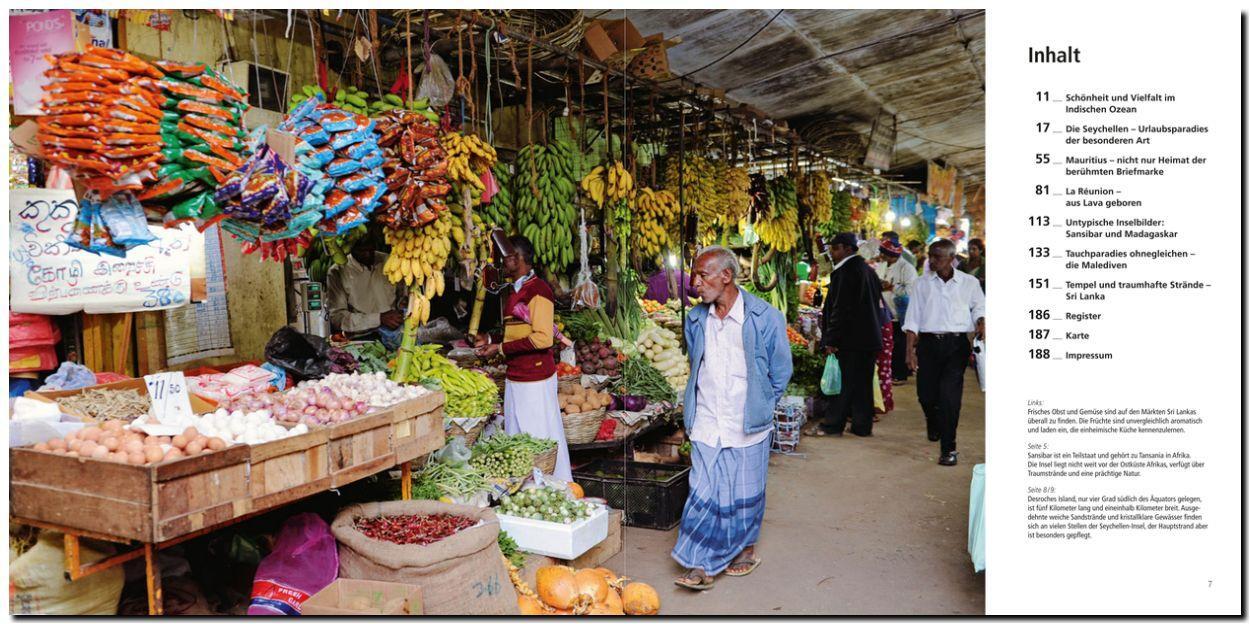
(890, 216)
(906, 222)
(672, 260)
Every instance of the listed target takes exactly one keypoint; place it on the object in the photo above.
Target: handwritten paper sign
(46, 276)
(171, 405)
(31, 36)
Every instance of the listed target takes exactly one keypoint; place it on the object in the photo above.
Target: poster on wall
(94, 28)
(31, 36)
(46, 276)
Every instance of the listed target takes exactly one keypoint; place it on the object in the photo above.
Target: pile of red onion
(311, 406)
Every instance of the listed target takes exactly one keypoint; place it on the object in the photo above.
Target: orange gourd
(531, 606)
(576, 490)
(592, 588)
(556, 586)
(640, 599)
(613, 602)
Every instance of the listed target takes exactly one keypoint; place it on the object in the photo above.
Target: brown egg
(58, 451)
(164, 439)
(91, 433)
(151, 441)
(135, 458)
(202, 439)
(42, 446)
(180, 441)
(112, 425)
(75, 444)
(133, 446)
(190, 433)
(111, 443)
(216, 444)
(152, 454)
(132, 436)
(71, 436)
(117, 457)
(172, 454)
(57, 444)
(72, 454)
(87, 449)
(194, 447)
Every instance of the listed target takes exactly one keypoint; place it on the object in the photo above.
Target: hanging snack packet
(342, 166)
(336, 120)
(338, 200)
(126, 223)
(79, 236)
(101, 239)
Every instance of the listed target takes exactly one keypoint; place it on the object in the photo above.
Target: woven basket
(568, 383)
(546, 462)
(582, 427)
(470, 436)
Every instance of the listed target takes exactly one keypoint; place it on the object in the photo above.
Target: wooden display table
(161, 505)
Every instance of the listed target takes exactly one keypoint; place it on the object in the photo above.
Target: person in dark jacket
(851, 332)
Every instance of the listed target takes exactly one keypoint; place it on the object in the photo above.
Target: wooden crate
(289, 469)
(417, 428)
(148, 503)
(198, 405)
(360, 447)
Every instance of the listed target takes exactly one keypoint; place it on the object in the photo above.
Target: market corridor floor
(858, 526)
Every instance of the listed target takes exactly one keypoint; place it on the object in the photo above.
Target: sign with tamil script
(46, 276)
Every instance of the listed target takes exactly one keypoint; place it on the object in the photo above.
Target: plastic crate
(651, 495)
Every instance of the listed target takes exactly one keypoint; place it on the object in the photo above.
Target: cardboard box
(608, 548)
(360, 597)
(605, 39)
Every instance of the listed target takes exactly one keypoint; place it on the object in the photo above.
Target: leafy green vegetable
(640, 378)
(509, 548)
(371, 356)
(805, 381)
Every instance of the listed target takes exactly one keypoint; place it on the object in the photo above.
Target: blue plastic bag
(831, 379)
(69, 376)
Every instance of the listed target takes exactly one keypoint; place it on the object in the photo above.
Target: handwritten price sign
(46, 276)
(171, 405)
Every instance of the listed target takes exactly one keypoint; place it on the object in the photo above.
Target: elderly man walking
(740, 366)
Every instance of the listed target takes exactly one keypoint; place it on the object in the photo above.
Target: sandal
(752, 563)
(705, 582)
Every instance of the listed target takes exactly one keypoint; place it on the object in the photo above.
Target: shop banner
(30, 37)
(46, 276)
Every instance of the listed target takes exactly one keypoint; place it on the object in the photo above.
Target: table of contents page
(1116, 216)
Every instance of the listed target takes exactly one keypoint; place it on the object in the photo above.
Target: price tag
(171, 405)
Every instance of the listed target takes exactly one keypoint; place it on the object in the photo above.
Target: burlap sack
(461, 575)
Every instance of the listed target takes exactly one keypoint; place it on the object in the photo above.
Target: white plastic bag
(437, 83)
(978, 354)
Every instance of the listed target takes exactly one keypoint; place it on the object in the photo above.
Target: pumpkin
(591, 586)
(576, 490)
(556, 587)
(640, 599)
(531, 606)
(603, 609)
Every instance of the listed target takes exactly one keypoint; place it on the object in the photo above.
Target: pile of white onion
(372, 388)
(238, 427)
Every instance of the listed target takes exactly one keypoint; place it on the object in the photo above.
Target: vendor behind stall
(363, 303)
(530, 404)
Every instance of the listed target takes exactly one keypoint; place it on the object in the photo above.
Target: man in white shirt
(740, 366)
(946, 305)
(897, 276)
(359, 296)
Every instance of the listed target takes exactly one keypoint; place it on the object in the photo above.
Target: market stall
(161, 181)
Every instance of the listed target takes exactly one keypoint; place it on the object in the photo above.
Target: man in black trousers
(851, 332)
(946, 305)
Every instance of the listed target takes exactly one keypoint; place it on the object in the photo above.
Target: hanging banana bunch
(498, 211)
(418, 258)
(468, 157)
(698, 184)
(778, 226)
(814, 195)
(735, 191)
(657, 211)
(609, 184)
(543, 194)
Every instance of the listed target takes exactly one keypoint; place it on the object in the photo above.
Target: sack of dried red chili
(461, 573)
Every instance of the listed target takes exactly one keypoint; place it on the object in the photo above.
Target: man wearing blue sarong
(739, 368)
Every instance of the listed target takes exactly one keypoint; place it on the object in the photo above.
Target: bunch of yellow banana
(543, 194)
(468, 157)
(735, 189)
(609, 184)
(700, 189)
(418, 257)
(815, 196)
(656, 212)
(479, 235)
(778, 225)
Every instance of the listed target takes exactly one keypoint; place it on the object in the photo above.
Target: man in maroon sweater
(530, 404)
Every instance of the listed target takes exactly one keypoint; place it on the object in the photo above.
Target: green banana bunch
(498, 212)
(543, 192)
